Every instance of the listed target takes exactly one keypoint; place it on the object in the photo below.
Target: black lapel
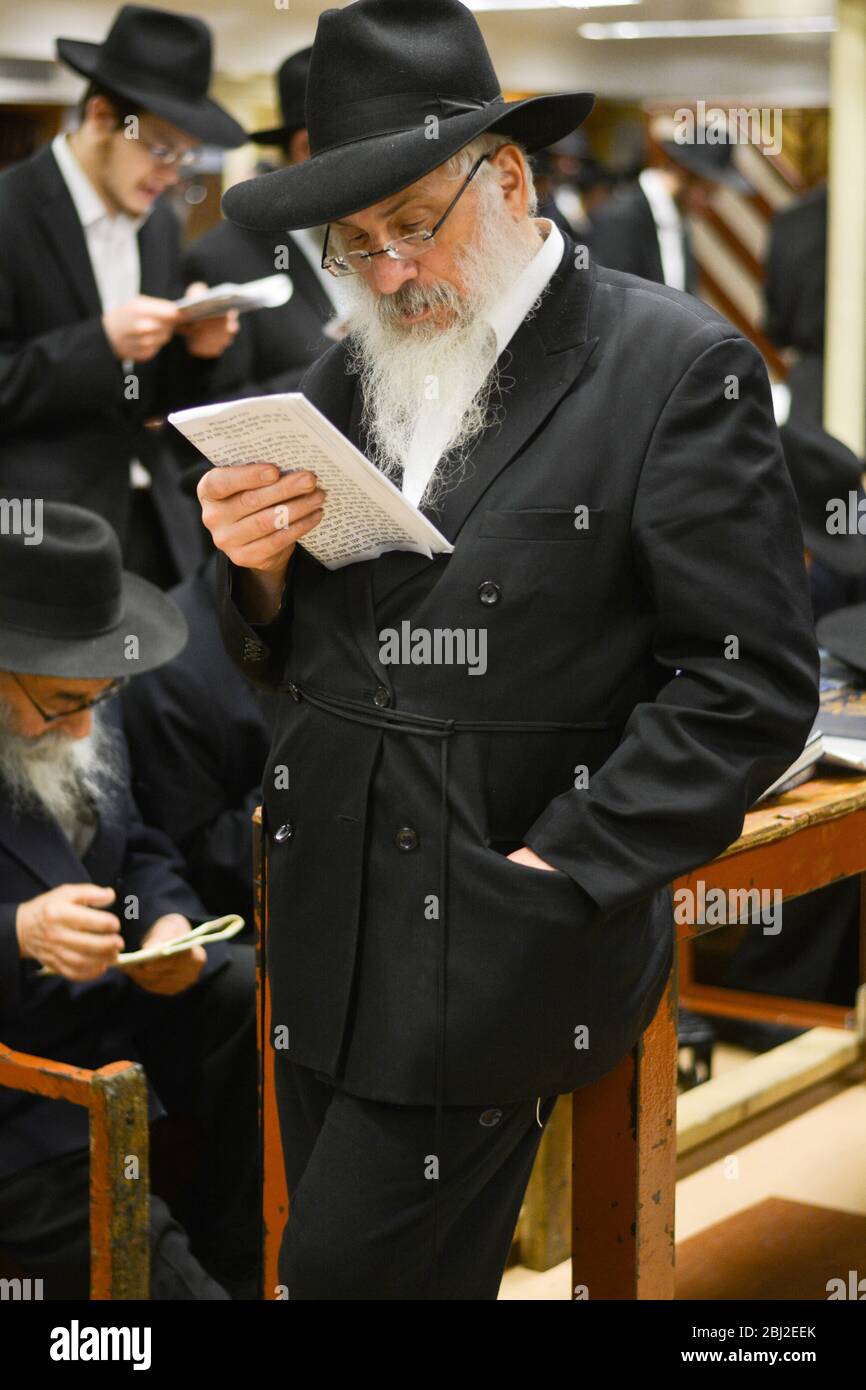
(42, 847)
(56, 211)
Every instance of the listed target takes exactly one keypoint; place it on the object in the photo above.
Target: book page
(365, 515)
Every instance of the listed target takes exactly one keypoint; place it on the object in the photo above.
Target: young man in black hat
(273, 351)
(91, 348)
(467, 877)
(81, 879)
(642, 228)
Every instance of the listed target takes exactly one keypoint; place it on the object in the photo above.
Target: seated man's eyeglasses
(50, 716)
(404, 248)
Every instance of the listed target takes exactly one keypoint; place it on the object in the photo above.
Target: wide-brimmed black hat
(292, 88)
(68, 608)
(843, 633)
(824, 470)
(161, 62)
(394, 90)
(713, 162)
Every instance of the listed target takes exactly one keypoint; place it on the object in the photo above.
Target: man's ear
(100, 116)
(510, 168)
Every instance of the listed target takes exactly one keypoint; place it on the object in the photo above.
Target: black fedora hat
(162, 62)
(843, 634)
(824, 470)
(292, 88)
(68, 608)
(394, 90)
(713, 162)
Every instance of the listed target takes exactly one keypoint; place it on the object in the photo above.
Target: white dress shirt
(436, 421)
(669, 227)
(112, 244)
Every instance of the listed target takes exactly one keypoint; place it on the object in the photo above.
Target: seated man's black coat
(198, 739)
(88, 1024)
(648, 409)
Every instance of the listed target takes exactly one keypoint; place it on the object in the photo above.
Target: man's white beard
(56, 775)
(407, 369)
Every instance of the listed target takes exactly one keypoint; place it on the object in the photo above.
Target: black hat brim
(337, 182)
(691, 157)
(843, 633)
(204, 119)
(844, 554)
(277, 135)
(147, 614)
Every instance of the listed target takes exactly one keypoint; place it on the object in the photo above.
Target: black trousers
(376, 1214)
(199, 1050)
(45, 1234)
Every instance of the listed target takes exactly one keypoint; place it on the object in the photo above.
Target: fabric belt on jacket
(424, 725)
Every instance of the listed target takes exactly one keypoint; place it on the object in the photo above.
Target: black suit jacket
(796, 274)
(67, 430)
(274, 347)
(625, 237)
(198, 737)
(87, 1024)
(620, 404)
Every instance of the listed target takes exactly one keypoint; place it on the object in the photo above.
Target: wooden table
(623, 1130)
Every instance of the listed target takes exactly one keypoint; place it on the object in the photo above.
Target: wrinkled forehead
(432, 186)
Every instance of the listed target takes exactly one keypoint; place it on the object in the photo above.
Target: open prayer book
(267, 293)
(365, 515)
(219, 929)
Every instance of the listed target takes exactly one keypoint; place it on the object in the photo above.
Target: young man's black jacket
(675, 624)
(274, 347)
(70, 419)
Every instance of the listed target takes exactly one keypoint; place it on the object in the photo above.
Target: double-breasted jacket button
(284, 832)
(253, 651)
(488, 1118)
(381, 697)
(489, 592)
(407, 839)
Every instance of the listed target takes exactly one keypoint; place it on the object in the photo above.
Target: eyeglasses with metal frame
(402, 248)
(49, 717)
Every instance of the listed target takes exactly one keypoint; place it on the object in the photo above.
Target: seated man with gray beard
(82, 878)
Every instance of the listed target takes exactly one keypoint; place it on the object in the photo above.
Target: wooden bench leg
(624, 1149)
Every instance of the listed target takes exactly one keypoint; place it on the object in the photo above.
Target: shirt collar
(662, 206)
(506, 317)
(88, 204)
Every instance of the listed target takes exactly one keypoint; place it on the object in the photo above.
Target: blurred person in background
(642, 228)
(273, 349)
(91, 346)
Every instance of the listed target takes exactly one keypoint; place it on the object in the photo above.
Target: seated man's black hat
(68, 608)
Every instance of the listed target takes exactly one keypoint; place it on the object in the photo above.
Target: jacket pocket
(543, 524)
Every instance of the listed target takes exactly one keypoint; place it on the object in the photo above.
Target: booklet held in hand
(365, 515)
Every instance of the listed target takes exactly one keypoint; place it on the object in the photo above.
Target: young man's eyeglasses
(166, 154)
(404, 248)
(51, 716)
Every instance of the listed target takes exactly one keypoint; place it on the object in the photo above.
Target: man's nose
(389, 275)
(77, 725)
